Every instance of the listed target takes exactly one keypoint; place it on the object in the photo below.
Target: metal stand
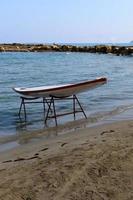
(52, 107)
(26, 100)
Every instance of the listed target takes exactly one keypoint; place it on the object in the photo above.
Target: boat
(60, 91)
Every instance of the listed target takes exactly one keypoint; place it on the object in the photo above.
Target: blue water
(36, 69)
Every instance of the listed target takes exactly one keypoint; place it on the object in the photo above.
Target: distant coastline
(99, 48)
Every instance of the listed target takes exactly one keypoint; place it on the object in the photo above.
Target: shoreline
(49, 133)
(53, 134)
(12, 141)
(95, 162)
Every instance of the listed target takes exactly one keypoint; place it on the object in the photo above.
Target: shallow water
(115, 99)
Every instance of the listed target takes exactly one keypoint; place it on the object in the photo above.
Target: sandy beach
(90, 163)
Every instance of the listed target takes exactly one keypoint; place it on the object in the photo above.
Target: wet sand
(89, 163)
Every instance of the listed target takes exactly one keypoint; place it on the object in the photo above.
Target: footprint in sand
(7, 161)
(33, 157)
(36, 154)
(22, 159)
(43, 149)
(63, 144)
(110, 131)
(19, 159)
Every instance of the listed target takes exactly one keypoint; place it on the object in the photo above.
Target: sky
(66, 21)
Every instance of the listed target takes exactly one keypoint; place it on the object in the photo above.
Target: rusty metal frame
(50, 111)
(30, 100)
(53, 108)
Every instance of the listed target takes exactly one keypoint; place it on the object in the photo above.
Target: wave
(98, 116)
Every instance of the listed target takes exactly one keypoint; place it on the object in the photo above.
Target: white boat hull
(61, 90)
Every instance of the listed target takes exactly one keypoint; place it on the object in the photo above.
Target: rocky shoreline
(104, 49)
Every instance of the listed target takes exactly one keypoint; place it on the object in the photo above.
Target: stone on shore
(102, 49)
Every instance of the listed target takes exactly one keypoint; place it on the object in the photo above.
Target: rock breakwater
(104, 49)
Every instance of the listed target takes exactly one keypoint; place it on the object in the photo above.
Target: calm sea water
(115, 99)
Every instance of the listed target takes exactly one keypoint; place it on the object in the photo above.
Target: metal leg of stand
(49, 108)
(25, 116)
(19, 113)
(24, 108)
(74, 107)
(44, 105)
(80, 106)
(54, 111)
(26, 100)
(46, 101)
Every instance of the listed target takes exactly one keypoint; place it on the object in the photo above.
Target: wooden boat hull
(61, 90)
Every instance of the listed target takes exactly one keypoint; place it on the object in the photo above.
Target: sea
(110, 102)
